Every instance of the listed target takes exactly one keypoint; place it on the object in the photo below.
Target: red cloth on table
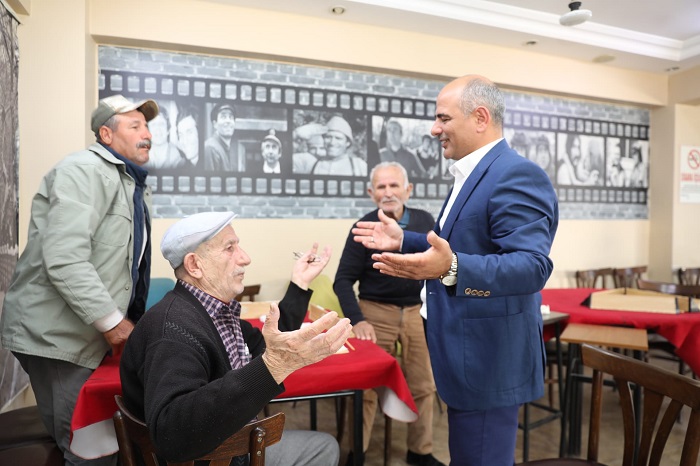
(682, 330)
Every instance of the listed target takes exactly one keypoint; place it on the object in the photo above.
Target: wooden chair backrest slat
(593, 278)
(134, 440)
(658, 385)
(627, 277)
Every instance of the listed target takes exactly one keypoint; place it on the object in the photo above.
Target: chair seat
(32, 454)
(20, 427)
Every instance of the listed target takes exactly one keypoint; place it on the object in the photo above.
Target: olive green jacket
(76, 267)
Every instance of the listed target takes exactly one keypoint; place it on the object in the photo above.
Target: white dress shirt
(461, 170)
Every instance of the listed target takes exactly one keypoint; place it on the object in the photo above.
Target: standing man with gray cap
(83, 277)
(196, 373)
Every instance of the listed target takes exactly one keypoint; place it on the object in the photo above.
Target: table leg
(560, 384)
(359, 454)
(637, 403)
(572, 413)
(312, 414)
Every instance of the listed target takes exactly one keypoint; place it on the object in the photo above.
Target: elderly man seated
(197, 373)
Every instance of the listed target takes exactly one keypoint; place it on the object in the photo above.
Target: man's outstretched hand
(289, 351)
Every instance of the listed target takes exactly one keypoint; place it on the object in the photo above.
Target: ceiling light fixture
(575, 16)
(338, 10)
(603, 58)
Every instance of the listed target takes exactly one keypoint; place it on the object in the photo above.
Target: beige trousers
(393, 324)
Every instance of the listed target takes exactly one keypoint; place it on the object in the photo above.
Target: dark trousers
(483, 438)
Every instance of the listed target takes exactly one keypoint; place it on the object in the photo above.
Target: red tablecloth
(368, 366)
(682, 330)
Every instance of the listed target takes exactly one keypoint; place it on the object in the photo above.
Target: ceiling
(660, 36)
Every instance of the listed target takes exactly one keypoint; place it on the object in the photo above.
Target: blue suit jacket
(485, 333)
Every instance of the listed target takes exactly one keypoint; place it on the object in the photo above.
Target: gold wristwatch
(449, 278)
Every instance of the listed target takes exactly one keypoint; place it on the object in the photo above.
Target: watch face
(449, 280)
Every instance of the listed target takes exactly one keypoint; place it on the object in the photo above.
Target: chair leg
(387, 440)
(340, 414)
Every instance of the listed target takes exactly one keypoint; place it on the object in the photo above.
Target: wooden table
(681, 330)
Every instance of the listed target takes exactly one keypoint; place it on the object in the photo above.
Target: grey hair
(387, 165)
(480, 92)
(112, 123)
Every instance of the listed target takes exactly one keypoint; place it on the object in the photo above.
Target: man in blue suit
(484, 266)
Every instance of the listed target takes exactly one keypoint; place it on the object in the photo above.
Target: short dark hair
(219, 107)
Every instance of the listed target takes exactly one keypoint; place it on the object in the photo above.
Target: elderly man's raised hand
(289, 351)
(385, 235)
(309, 265)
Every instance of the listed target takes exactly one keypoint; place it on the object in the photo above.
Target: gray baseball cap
(117, 104)
(184, 236)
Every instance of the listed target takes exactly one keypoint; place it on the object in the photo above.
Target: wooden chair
(609, 336)
(658, 386)
(656, 341)
(135, 441)
(689, 276)
(627, 277)
(249, 292)
(158, 288)
(692, 291)
(590, 278)
(24, 439)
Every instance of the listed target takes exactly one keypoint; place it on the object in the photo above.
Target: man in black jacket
(197, 373)
(388, 309)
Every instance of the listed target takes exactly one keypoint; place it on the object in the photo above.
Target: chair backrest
(658, 386)
(134, 440)
(590, 278)
(249, 292)
(689, 275)
(627, 277)
(669, 288)
(157, 289)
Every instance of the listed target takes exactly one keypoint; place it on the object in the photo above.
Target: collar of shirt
(463, 167)
(461, 170)
(268, 169)
(212, 305)
(405, 218)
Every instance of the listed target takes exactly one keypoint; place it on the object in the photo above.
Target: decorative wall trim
(291, 106)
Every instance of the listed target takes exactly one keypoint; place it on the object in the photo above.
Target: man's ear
(106, 135)
(483, 117)
(192, 266)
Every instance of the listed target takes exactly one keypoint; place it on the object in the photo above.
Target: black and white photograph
(538, 146)
(408, 142)
(580, 159)
(344, 151)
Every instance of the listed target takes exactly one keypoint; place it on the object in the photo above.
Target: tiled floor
(544, 441)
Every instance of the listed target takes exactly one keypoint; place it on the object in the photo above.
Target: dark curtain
(12, 378)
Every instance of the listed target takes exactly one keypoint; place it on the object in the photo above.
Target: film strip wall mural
(278, 140)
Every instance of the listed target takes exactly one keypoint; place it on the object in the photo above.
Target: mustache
(145, 144)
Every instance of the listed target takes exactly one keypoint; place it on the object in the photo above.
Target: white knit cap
(187, 234)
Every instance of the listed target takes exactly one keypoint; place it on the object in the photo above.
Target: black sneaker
(422, 460)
